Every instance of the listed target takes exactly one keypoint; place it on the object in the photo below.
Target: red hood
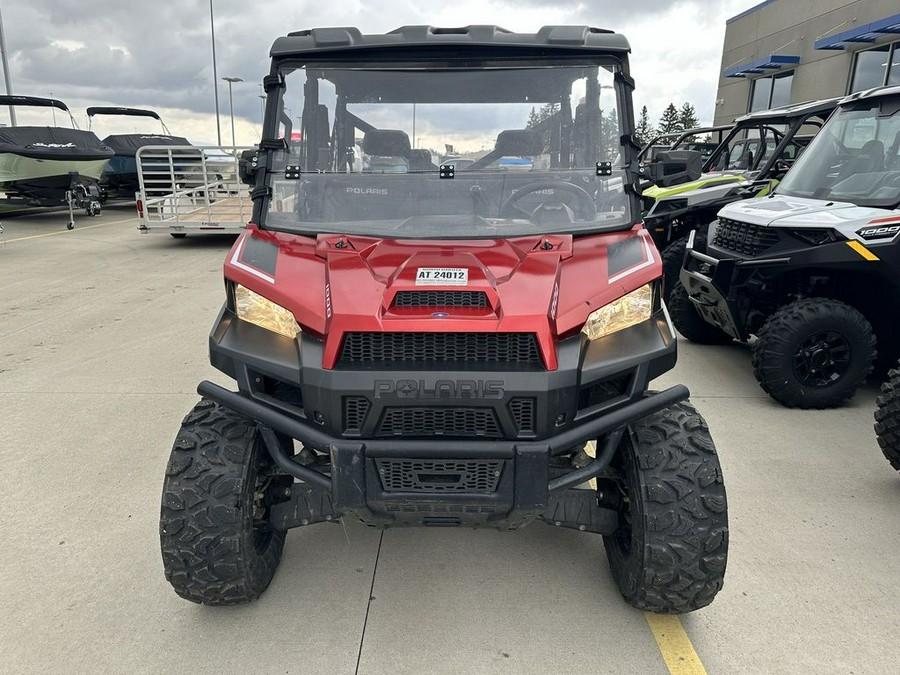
(543, 285)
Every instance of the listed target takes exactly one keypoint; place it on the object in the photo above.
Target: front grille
(440, 299)
(425, 422)
(440, 349)
(454, 475)
(522, 410)
(355, 410)
(744, 238)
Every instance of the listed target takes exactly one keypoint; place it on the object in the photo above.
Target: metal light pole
(12, 109)
(262, 105)
(231, 81)
(212, 32)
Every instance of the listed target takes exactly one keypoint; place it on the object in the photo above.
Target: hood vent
(440, 299)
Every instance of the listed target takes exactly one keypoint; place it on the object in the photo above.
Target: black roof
(35, 101)
(117, 110)
(790, 111)
(343, 39)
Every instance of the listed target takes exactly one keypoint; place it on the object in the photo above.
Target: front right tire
(670, 550)
(689, 323)
(673, 258)
(887, 418)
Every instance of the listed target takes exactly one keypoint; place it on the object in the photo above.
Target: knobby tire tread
(887, 418)
(676, 563)
(206, 532)
(774, 346)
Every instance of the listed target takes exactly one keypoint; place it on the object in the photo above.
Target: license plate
(442, 276)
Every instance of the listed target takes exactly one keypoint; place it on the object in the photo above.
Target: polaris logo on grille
(879, 232)
(420, 389)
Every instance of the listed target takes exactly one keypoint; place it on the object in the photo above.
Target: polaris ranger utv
(749, 162)
(814, 269)
(436, 345)
(702, 139)
(887, 418)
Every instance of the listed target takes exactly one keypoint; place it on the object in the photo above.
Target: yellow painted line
(674, 644)
(77, 228)
(590, 449)
(862, 250)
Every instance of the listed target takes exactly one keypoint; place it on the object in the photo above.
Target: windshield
(521, 149)
(855, 158)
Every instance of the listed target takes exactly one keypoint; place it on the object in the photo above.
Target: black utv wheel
(217, 547)
(814, 353)
(670, 550)
(688, 321)
(887, 418)
(673, 259)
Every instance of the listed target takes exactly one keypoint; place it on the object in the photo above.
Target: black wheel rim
(615, 493)
(822, 359)
(268, 491)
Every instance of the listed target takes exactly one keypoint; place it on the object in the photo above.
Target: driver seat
(870, 158)
(892, 158)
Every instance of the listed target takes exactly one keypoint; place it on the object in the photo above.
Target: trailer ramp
(191, 190)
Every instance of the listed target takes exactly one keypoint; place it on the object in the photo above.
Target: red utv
(419, 343)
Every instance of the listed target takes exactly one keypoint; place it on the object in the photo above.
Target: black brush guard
(525, 489)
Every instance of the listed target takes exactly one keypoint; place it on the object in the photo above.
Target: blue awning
(773, 62)
(865, 33)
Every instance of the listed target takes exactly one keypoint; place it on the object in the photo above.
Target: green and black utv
(749, 163)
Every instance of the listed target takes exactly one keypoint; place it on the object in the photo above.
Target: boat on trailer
(120, 177)
(51, 165)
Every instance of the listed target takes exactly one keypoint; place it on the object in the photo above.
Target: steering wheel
(583, 205)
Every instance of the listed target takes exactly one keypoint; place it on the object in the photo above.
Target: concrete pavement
(102, 341)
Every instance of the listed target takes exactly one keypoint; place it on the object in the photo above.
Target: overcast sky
(158, 54)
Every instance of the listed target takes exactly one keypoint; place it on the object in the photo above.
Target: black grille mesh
(522, 410)
(441, 348)
(424, 475)
(744, 238)
(355, 410)
(601, 392)
(424, 422)
(440, 299)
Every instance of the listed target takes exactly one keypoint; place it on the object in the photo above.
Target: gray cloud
(158, 54)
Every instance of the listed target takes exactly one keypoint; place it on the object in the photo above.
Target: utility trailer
(191, 190)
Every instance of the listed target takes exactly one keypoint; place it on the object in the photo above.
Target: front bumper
(524, 487)
(708, 282)
(501, 481)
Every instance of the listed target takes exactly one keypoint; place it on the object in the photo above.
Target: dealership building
(788, 51)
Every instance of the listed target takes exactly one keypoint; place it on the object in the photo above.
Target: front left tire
(814, 353)
(217, 545)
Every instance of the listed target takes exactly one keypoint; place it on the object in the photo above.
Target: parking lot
(103, 338)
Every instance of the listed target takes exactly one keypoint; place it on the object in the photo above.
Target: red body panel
(544, 285)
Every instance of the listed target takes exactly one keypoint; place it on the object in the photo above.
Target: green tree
(687, 117)
(536, 117)
(643, 131)
(546, 111)
(609, 135)
(669, 121)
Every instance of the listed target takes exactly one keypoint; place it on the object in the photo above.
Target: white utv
(813, 270)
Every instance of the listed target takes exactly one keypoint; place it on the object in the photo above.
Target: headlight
(628, 310)
(258, 310)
